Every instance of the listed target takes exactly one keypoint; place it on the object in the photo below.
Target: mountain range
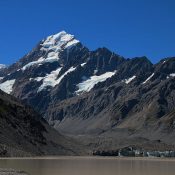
(99, 98)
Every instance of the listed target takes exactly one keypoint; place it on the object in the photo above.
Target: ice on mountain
(83, 64)
(51, 54)
(60, 40)
(62, 76)
(53, 45)
(95, 71)
(148, 78)
(70, 44)
(127, 81)
(38, 78)
(40, 62)
(7, 86)
(172, 75)
(51, 79)
(88, 84)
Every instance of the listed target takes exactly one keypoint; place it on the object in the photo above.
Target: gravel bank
(11, 172)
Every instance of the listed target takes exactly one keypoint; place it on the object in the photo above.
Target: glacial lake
(91, 166)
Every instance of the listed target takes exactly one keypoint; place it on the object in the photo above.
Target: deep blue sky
(127, 27)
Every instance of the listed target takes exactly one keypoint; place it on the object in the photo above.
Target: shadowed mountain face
(24, 133)
(79, 91)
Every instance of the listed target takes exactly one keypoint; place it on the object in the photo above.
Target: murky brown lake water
(91, 166)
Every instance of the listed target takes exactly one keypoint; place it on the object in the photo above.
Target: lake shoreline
(89, 157)
(85, 165)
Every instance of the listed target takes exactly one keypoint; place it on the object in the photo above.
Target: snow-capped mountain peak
(52, 46)
(59, 41)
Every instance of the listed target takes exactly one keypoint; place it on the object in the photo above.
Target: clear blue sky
(127, 27)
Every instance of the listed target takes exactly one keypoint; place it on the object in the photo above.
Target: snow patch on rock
(83, 64)
(148, 78)
(171, 75)
(88, 84)
(59, 41)
(95, 71)
(51, 79)
(36, 79)
(41, 61)
(127, 81)
(7, 86)
(53, 45)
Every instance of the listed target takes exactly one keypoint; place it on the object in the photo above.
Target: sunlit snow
(51, 79)
(41, 61)
(59, 41)
(83, 64)
(95, 71)
(7, 86)
(171, 75)
(37, 79)
(127, 81)
(148, 78)
(53, 45)
(88, 84)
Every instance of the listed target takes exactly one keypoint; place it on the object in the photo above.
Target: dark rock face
(79, 91)
(24, 133)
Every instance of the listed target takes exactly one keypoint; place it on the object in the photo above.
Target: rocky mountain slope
(83, 92)
(24, 133)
